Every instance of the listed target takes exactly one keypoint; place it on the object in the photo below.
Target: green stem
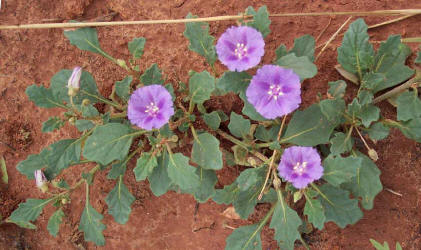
(261, 225)
(118, 106)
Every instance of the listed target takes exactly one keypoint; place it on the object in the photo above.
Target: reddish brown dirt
(173, 221)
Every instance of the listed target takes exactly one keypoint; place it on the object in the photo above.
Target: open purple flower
(240, 48)
(300, 166)
(274, 91)
(150, 107)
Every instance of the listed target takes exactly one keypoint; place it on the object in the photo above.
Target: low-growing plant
(313, 165)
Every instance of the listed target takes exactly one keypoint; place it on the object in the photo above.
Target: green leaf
(29, 210)
(83, 125)
(54, 222)
(145, 166)
(43, 97)
(302, 66)
(260, 21)
(158, 179)
(338, 207)
(85, 39)
(119, 201)
(249, 110)
(337, 89)
(88, 88)
(315, 213)
(117, 169)
(206, 189)
(418, 59)
(356, 53)
(366, 184)
(365, 97)
(341, 143)
(379, 246)
(206, 152)
(266, 135)
(54, 158)
(152, 75)
(23, 224)
(136, 47)
(91, 225)
(201, 86)
(372, 81)
(285, 221)
(333, 111)
(122, 88)
(236, 82)
(304, 46)
(181, 173)
(239, 126)
(34, 162)
(245, 238)
(369, 114)
(3, 171)
(281, 51)
(409, 106)
(378, 131)
(338, 170)
(249, 185)
(308, 128)
(88, 111)
(227, 195)
(108, 142)
(390, 63)
(52, 124)
(411, 129)
(200, 41)
(213, 120)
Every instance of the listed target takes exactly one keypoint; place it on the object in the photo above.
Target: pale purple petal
(300, 166)
(150, 107)
(274, 91)
(240, 48)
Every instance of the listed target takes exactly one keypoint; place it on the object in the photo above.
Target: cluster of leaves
(333, 126)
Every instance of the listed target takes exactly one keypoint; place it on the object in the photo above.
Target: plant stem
(118, 106)
(209, 19)
(272, 159)
(399, 89)
(242, 144)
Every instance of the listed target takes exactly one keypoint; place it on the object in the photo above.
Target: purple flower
(300, 166)
(240, 48)
(150, 107)
(73, 83)
(274, 91)
(40, 180)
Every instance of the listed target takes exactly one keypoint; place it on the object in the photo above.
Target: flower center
(240, 51)
(152, 109)
(300, 167)
(275, 91)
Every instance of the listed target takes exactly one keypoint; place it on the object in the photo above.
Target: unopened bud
(86, 102)
(73, 84)
(40, 180)
(72, 120)
(64, 201)
(173, 138)
(121, 63)
(373, 154)
(252, 161)
(276, 183)
(297, 196)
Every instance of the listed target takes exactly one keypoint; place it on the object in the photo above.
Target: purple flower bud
(40, 180)
(150, 107)
(274, 91)
(240, 48)
(73, 83)
(300, 166)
